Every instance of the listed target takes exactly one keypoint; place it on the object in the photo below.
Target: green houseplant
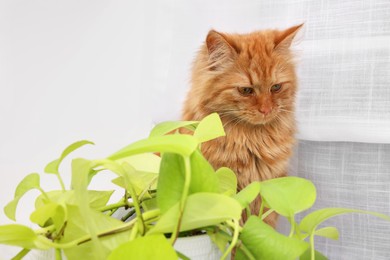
(177, 194)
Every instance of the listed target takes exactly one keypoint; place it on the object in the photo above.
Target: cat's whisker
(282, 121)
(285, 110)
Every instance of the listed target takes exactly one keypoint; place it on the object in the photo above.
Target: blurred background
(108, 71)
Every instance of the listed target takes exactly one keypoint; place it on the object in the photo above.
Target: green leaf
(209, 128)
(203, 177)
(248, 194)
(227, 181)
(10, 208)
(172, 176)
(312, 220)
(201, 210)
(170, 181)
(149, 247)
(97, 199)
(328, 232)
(263, 242)
(139, 180)
(288, 195)
(317, 255)
(53, 166)
(150, 204)
(220, 239)
(21, 236)
(53, 211)
(181, 144)
(167, 127)
(29, 182)
(147, 162)
(57, 196)
(77, 227)
(80, 171)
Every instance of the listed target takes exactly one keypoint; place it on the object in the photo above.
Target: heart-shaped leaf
(328, 232)
(172, 177)
(310, 222)
(53, 166)
(289, 195)
(29, 182)
(78, 227)
(55, 212)
(209, 128)
(263, 242)
(248, 194)
(96, 198)
(227, 181)
(201, 210)
(146, 162)
(22, 236)
(181, 144)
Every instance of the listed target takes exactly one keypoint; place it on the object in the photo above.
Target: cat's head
(247, 78)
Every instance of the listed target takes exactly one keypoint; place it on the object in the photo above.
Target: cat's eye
(276, 88)
(246, 91)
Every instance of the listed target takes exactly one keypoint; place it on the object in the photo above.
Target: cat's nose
(265, 110)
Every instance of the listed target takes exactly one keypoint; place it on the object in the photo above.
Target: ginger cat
(250, 81)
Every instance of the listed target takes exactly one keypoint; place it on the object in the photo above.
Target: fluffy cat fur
(259, 123)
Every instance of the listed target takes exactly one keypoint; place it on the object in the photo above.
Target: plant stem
(265, 215)
(246, 252)
(43, 193)
(233, 225)
(119, 204)
(118, 169)
(187, 181)
(134, 232)
(181, 256)
(21, 254)
(312, 250)
(261, 208)
(148, 216)
(58, 254)
(61, 181)
(44, 230)
(234, 241)
(142, 194)
(292, 222)
(219, 231)
(128, 215)
(112, 212)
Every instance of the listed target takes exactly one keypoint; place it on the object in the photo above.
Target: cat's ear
(284, 38)
(219, 49)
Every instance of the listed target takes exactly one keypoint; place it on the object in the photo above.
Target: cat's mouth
(262, 119)
(254, 119)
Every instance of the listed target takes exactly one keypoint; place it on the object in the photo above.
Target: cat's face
(252, 77)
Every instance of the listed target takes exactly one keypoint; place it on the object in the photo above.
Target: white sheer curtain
(86, 69)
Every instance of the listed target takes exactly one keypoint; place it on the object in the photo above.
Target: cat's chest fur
(254, 153)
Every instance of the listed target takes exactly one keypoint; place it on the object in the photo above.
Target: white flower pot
(196, 248)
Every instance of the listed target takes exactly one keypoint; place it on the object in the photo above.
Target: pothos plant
(167, 196)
